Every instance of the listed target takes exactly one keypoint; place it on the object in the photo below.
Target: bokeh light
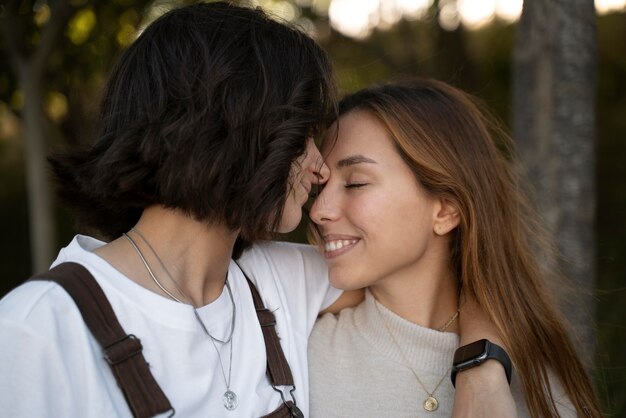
(357, 18)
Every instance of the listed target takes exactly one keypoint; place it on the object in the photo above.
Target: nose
(318, 167)
(321, 171)
(324, 209)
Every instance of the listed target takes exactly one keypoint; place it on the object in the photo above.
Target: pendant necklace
(229, 398)
(431, 403)
(181, 291)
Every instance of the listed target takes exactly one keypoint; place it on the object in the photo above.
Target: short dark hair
(205, 112)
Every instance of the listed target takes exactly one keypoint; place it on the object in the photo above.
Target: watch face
(470, 351)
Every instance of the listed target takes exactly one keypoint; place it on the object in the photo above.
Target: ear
(447, 217)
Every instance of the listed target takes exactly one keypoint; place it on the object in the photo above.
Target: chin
(343, 281)
(289, 222)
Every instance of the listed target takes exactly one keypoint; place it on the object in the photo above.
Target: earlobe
(447, 217)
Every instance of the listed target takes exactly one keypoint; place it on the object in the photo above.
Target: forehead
(357, 132)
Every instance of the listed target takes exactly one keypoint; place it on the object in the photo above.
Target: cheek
(367, 212)
(292, 214)
(386, 217)
(397, 233)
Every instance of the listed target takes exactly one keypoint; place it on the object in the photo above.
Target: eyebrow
(354, 159)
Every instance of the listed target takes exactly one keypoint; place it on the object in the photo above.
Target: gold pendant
(431, 404)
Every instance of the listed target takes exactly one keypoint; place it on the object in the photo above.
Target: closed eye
(355, 185)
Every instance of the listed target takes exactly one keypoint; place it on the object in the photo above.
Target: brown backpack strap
(123, 352)
(287, 410)
(278, 370)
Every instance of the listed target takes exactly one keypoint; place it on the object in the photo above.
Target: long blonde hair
(459, 153)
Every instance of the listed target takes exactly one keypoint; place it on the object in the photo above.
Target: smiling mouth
(336, 247)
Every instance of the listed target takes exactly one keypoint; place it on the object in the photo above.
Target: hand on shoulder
(481, 391)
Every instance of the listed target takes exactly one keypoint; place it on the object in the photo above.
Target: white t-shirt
(51, 366)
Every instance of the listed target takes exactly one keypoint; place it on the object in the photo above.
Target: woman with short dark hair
(205, 145)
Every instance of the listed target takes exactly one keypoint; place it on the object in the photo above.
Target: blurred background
(553, 71)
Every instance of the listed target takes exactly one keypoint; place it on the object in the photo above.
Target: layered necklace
(431, 403)
(229, 398)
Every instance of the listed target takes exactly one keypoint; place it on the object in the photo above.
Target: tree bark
(554, 123)
(30, 66)
(40, 208)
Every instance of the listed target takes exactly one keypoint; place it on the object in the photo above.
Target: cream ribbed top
(356, 369)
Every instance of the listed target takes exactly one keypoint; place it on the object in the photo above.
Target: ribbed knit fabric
(356, 369)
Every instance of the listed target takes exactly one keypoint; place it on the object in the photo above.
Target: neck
(424, 295)
(195, 254)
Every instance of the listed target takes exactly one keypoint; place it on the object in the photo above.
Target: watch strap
(493, 352)
(497, 353)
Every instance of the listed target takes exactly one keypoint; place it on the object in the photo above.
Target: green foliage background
(477, 61)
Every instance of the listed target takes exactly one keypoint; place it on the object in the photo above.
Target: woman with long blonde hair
(423, 207)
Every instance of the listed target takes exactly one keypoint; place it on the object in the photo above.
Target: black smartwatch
(475, 354)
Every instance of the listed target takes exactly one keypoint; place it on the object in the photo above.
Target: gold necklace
(450, 321)
(431, 403)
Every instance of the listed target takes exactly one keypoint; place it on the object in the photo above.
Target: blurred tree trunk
(554, 123)
(30, 66)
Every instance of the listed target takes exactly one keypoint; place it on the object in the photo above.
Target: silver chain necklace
(180, 290)
(229, 398)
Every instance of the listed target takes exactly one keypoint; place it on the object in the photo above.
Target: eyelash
(315, 191)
